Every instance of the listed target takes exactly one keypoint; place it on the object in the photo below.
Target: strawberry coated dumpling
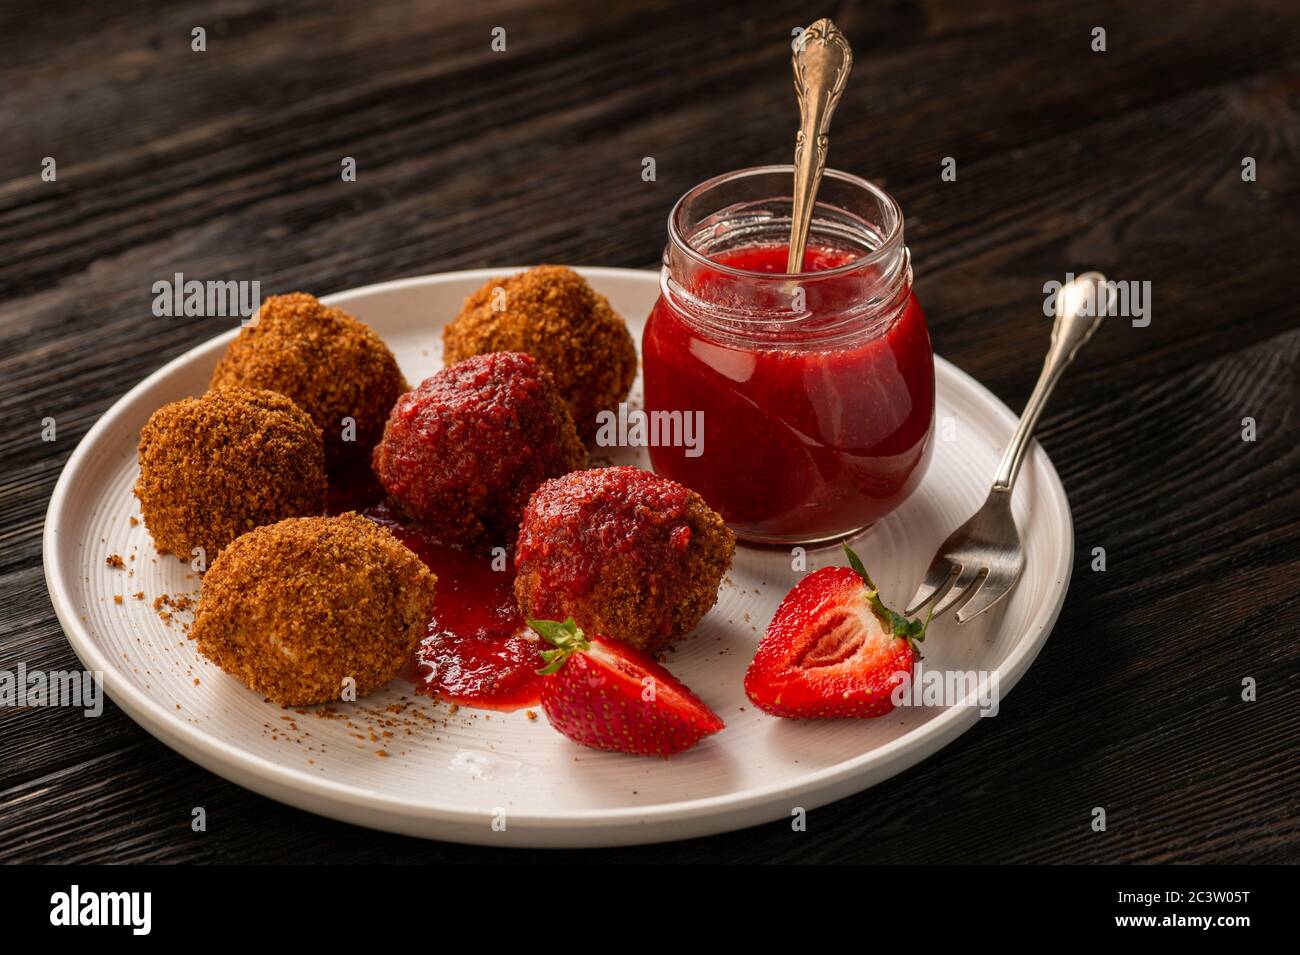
(462, 453)
(625, 552)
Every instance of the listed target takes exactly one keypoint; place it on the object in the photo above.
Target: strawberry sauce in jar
(815, 389)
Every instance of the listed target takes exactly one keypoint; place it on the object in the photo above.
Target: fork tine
(967, 583)
(988, 597)
(973, 592)
(941, 573)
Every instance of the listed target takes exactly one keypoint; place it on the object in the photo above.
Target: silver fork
(981, 561)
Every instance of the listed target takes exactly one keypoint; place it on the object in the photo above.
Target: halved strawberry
(609, 695)
(833, 649)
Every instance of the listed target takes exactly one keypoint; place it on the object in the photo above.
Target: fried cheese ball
(332, 366)
(295, 609)
(551, 313)
(626, 553)
(217, 466)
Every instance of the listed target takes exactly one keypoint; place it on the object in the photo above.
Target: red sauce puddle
(477, 651)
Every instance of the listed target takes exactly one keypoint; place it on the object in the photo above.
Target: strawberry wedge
(833, 649)
(608, 695)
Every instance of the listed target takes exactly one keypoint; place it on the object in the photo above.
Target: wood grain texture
(225, 164)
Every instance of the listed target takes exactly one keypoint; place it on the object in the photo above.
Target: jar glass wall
(815, 390)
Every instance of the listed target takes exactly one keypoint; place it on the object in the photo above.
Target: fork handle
(1079, 311)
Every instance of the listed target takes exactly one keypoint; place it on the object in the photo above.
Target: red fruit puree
(803, 442)
(477, 650)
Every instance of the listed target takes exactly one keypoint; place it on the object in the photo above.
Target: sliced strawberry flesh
(597, 697)
(827, 653)
(838, 637)
(631, 666)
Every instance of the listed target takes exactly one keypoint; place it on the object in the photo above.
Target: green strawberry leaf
(552, 630)
(567, 638)
(913, 631)
(554, 660)
(856, 563)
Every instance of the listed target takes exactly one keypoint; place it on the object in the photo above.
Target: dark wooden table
(226, 164)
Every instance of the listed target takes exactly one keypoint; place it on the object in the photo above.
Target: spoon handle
(822, 61)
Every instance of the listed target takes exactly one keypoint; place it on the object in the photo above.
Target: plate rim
(344, 801)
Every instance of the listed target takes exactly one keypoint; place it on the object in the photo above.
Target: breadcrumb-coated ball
(294, 609)
(332, 366)
(217, 466)
(626, 553)
(551, 313)
(462, 452)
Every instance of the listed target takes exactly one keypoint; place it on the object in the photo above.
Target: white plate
(459, 775)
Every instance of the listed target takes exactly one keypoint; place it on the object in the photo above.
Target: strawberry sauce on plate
(477, 650)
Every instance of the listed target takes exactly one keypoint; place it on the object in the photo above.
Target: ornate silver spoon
(822, 61)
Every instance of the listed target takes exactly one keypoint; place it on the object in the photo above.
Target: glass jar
(814, 390)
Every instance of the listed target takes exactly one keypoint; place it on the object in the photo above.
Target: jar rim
(888, 246)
